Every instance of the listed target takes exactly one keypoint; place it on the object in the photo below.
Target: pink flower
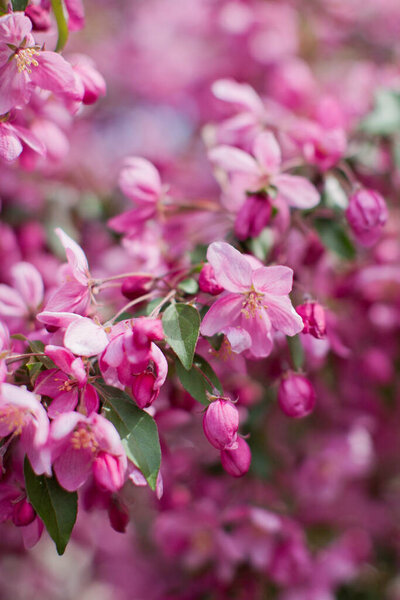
(261, 173)
(296, 396)
(313, 316)
(83, 445)
(67, 384)
(23, 299)
(93, 82)
(23, 65)
(14, 137)
(220, 424)
(236, 461)
(22, 414)
(367, 214)
(255, 304)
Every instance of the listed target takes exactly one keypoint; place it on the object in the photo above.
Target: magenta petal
(274, 280)
(54, 73)
(259, 328)
(14, 87)
(231, 269)
(224, 313)
(73, 467)
(62, 403)
(49, 382)
(29, 283)
(76, 14)
(239, 338)
(297, 191)
(241, 95)
(233, 160)
(90, 399)
(76, 257)
(283, 316)
(11, 303)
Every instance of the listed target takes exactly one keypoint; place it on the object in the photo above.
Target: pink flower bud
(118, 515)
(367, 214)
(237, 461)
(207, 281)
(39, 16)
(220, 424)
(313, 316)
(23, 513)
(134, 287)
(253, 216)
(296, 396)
(107, 471)
(143, 389)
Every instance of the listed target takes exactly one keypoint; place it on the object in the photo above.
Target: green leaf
(334, 237)
(19, 4)
(189, 286)
(181, 323)
(296, 351)
(195, 383)
(55, 506)
(58, 9)
(385, 117)
(38, 347)
(138, 432)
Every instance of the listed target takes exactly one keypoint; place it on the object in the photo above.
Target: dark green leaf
(194, 381)
(19, 4)
(189, 286)
(55, 506)
(296, 351)
(38, 347)
(334, 237)
(385, 117)
(138, 432)
(58, 9)
(181, 323)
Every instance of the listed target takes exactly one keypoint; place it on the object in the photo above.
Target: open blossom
(262, 173)
(21, 414)
(24, 65)
(23, 299)
(83, 445)
(66, 385)
(254, 305)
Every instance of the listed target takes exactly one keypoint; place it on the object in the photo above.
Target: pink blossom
(236, 461)
(23, 299)
(24, 65)
(220, 424)
(254, 305)
(296, 395)
(83, 445)
(261, 173)
(67, 385)
(21, 414)
(14, 137)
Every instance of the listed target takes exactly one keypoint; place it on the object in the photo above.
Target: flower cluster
(199, 298)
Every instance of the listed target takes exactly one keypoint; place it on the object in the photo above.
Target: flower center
(83, 439)
(13, 418)
(67, 386)
(252, 304)
(25, 59)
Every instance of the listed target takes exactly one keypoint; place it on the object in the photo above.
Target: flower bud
(39, 16)
(254, 215)
(367, 214)
(107, 472)
(236, 462)
(118, 515)
(220, 424)
(143, 389)
(313, 316)
(296, 396)
(207, 281)
(134, 287)
(23, 513)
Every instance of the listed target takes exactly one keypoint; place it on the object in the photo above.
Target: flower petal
(224, 313)
(276, 280)
(297, 191)
(267, 152)
(84, 338)
(232, 270)
(283, 316)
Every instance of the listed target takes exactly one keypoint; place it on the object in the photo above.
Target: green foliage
(138, 432)
(195, 381)
(181, 323)
(55, 506)
(334, 236)
(385, 116)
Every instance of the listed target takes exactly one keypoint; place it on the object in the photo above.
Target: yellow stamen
(24, 58)
(252, 304)
(84, 439)
(13, 418)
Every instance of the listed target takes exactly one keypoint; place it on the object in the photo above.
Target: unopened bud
(296, 396)
(207, 281)
(254, 215)
(143, 389)
(236, 462)
(367, 214)
(134, 287)
(118, 515)
(220, 424)
(23, 513)
(39, 16)
(313, 316)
